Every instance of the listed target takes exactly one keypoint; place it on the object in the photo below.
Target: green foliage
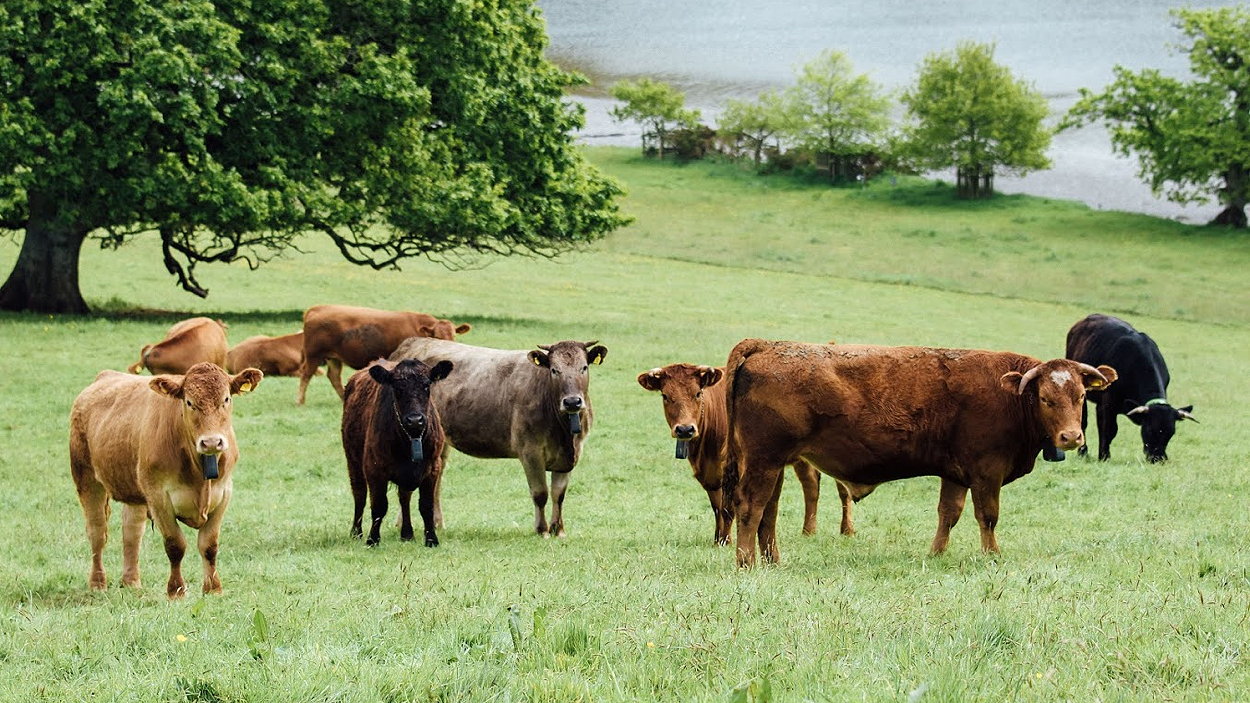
(1191, 138)
(395, 128)
(970, 113)
(657, 106)
(752, 124)
(835, 112)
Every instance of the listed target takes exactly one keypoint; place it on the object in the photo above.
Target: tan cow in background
(165, 448)
(335, 335)
(274, 356)
(186, 344)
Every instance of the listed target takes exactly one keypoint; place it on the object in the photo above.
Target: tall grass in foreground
(1118, 581)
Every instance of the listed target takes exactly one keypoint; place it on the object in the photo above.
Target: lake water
(737, 48)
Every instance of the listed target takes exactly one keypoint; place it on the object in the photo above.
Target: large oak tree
(226, 128)
(1191, 137)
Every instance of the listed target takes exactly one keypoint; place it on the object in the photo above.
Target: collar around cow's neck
(1156, 401)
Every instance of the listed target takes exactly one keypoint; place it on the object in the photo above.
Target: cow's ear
(539, 358)
(166, 385)
(381, 374)
(1010, 381)
(651, 379)
(427, 331)
(464, 328)
(709, 376)
(1093, 383)
(440, 370)
(245, 381)
(596, 354)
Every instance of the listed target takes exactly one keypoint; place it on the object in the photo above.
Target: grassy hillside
(1118, 581)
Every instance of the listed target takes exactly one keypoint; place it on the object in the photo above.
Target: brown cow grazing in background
(335, 335)
(165, 448)
(694, 405)
(392, 434)
(186, 344)
(530, 405)
(867, 414)
(274, 356)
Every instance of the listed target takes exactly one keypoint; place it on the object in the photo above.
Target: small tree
(754, 123)
(837, 113)
(971, 113)
(656, 105)
(1190, 138)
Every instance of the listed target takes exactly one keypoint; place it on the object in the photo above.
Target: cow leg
(95, 510)
(722, 517)
(334, 372)
(536, 475)
(439, 465)
(809, 479)
(306, 372)
(359, 491)
(425, 505)
(756, 486)
(162, 512)
(985, 502)
(768, 523)
(405, 514)
(559, 488)
(1107, 430)
(207, 541)
(134, 523)
(844, 496)
(377, 510)
(950, 507)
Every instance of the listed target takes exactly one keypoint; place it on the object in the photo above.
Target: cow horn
(1028, 376)
(1186, 416)
(1088, 370)
(1138, 409)
(545, 347)
(590, 344)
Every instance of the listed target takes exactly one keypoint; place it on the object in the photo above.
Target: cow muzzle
(1070, 439)
(686, 432)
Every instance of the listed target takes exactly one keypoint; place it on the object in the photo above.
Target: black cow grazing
(1141, 391)
(392, 434)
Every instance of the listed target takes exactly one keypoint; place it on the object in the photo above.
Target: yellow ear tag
(1096, 384)
(245, 388)
(536, 361)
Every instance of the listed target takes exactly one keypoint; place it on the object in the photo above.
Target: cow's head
(681, 390)
(1158, 423)
(444, 329)
(1058, 387)
(568, 367)
(410, 381)
(204, 392)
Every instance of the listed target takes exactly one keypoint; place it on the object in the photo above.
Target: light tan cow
(274, 356)
(186, 344)
(164, 447)
(335, 335)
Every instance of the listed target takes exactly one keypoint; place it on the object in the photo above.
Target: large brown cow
(186, 344)
(866, 415)
(694, 406)
(335, 335)
(529, 405)
(392, 434)
(274, 356)
(166, 449)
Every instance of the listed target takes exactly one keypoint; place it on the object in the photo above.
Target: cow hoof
(371, 542)
(98, 583)
(176, 591)
(431, 541)
(406, 536)
(132, 583)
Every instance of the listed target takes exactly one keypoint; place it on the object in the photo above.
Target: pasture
(1118, 581)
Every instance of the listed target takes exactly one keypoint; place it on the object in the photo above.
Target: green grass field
(1120, 581)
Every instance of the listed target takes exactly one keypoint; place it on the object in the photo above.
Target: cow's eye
(584, 368)
(555, 372)
(665, 398)
(189, 403)
(698, 396)
(226, 401)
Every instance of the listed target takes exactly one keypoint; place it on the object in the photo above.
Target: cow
(274, 356)
(694, 406)
(335, 335)
(1140, 394)
(186, 344)
(165, 448)
(870, 414)
(532, 405)
(392, 434)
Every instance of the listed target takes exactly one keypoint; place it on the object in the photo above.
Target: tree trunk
(1233, 216)
(973, 183)
(1234, 196)
(45, 277)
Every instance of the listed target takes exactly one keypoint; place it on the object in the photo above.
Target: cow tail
(737, 357)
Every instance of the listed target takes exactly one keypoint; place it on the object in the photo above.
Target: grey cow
(532, 405)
